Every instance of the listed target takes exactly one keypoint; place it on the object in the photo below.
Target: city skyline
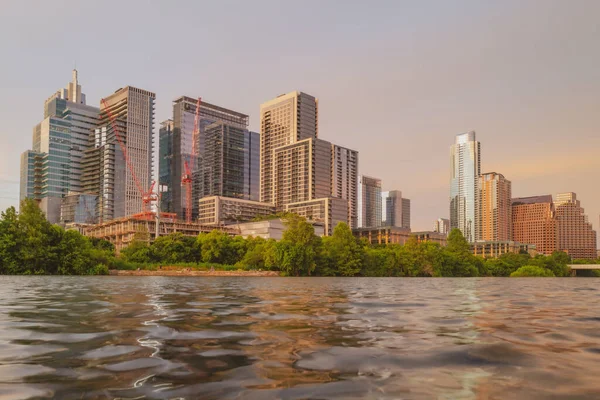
(527, 142)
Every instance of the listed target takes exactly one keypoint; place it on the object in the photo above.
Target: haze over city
(395, 81)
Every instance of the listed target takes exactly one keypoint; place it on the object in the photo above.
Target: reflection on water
(314, 338)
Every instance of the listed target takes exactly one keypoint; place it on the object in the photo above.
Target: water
(314, 338)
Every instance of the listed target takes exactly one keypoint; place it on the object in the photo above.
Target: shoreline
(183, 272)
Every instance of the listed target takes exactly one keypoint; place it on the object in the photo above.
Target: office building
(285, 120)
(442, 225)
(54, 166)
(429, 236)
(184, 114)
(369, 202)
(119, 181)
(575, 235)
(465, 167)
(78, 208)
(217, 210)
(165, 164)
(230, 162)
(329, 211)
(395, 210)
(494, 249)
(271, 229)
(495, 208)
(344, 179)
(533, 222)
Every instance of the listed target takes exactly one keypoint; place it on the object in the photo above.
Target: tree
(345, 253)
(138, 251)
(296, 252)
(173, 248)
(531, 271)
(215, 247)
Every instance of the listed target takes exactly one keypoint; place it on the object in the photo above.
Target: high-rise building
(442, 225)
(285, 120)
(369, 202)
(495, 208)
(575, 234)
(59, 142)
(329, 210)
(230, 162)
(107, 172)
(165, 164)
(533, 222)
(395, 210)
(344, 179)
(465, 167)
(184, 114)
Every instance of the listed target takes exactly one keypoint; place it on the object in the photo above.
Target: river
(299, 338)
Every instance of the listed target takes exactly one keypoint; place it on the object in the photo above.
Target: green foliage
(531, 271)
(174, 248)
(296, 253)
(29, 244)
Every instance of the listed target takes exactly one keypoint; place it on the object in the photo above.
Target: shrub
(531, 271)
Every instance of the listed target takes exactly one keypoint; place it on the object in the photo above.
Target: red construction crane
(147, 197)
(186, 178)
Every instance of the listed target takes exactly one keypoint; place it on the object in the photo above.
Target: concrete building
(328, 210)
(54, 166)
(344, 179)
(270, 229)
(429, 236)
(395, 210)
(533, 222)
(575, 235)
(442, 225)
(495, 208)
(217, 210)
(494, 249)
(285, 120)
(383, 235)
(107, 172)
(184, 114)
(465, 167)
(369, 202)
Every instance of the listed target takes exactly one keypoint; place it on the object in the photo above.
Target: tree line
(29, 244)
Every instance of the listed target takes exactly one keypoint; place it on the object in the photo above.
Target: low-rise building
(217, 210)
(383, 235)
(270, 229)
(329, 210)
(429, 236)
(494, 249)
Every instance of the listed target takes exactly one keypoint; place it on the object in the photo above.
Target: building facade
(217, 210)
(184, 114)
(344, 179)
(165, 164)
(118, 179)
(78, 208)
(442, 225)
(395, 210)
(369, 202)
(495, 208)
(54, 166)
(465, 168)
(285, 120)
(533, 222)
(329, 211)
(575, 235)
(494, 249)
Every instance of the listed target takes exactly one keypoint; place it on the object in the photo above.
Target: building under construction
(143, 226)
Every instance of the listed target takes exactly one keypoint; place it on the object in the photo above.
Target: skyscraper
(369, 202)
(184, 114)
(495, 208)
(575, 234)
(465, 167)
(284, 120)
(442, 225)
(165, 164)
(533, 222)
(395, 210)
(344, 179)
(107, 172)
(54, 167)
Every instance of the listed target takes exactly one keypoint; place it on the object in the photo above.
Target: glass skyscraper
(465, 167)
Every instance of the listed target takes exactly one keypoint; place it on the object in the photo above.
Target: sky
(396, 80)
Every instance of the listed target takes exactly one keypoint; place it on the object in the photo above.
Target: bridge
(582, 267)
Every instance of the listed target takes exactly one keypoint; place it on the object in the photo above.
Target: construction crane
(186, 178)
(147, 197)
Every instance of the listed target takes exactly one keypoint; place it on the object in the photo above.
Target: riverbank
(191, 272)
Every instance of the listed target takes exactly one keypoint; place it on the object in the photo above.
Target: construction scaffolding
(142, 226)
